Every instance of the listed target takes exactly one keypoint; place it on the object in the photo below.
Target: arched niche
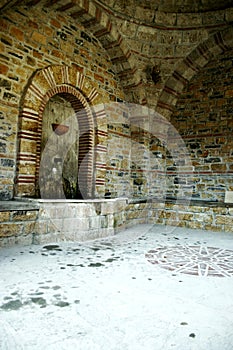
(77, 92)
(216, 44)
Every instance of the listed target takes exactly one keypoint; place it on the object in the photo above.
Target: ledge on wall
(18, 204)
(181, 201)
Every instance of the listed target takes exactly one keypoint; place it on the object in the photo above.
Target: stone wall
(53, 221)
(30, 42)
(118, 181)
(45, 221)
(211, 217)
(136, 150)
(110, 53)
(204, 119)
(17, 226)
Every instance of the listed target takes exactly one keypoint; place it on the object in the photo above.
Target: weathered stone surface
(5, 216)
(40, 227)
(10, 229)
(225, 220)
(185, 216)
(28, 228)
(24, 215)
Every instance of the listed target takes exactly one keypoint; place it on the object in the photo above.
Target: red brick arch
(190, 66)
(80, 92)
(95, 18)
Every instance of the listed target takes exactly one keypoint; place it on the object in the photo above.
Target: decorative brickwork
(191, 66)
(37, 61)
(45, 84)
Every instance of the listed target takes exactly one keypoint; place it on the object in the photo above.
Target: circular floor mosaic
(193, 260)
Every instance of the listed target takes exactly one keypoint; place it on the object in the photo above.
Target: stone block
(168, 215)
(43, 213)
(197, 209)
(166, 18)
(218, 167)
(28, 228)
(67, 48)
(24, 215)
(107, 207)
(194, 224)
(131, 215)
(94, 222)
(173, 222)
(4, 69)
(213, 227)
(185, 216)
(30, 125)
(11, 229)
(28, 147)
(7, 241)
(228, 197)
(48, 238)
(228, 228)
(39, 38)
(224, 220)
(17, 33)
(4, 216)
(110, 219)
(76, 224)
(205, 218)
(41, 227)
(103, 221)
(24, 239)
(120, 205)
(54, 225)
(156, 205)
(219, 210)
(59, 212)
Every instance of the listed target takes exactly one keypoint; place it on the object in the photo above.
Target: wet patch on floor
(12, 305)
(16, 304)
(36, 298)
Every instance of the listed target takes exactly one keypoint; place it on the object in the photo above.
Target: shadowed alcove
(52, 163)
(60, 131)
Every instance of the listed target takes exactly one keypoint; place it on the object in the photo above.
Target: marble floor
(149, 287)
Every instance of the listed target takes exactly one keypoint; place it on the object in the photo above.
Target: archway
(78, 91)
(185, 74)
(190, 66)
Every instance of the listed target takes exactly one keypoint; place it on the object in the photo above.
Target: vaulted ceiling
(171, 6)
(175, 6)
(138, 34)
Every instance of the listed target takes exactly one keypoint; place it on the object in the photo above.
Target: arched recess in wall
(81, 93)
(190, 66)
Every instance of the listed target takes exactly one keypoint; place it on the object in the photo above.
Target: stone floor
(149, 287)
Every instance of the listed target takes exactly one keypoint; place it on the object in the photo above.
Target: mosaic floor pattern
(193, 260)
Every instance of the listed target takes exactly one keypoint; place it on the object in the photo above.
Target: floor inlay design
(193, 260)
